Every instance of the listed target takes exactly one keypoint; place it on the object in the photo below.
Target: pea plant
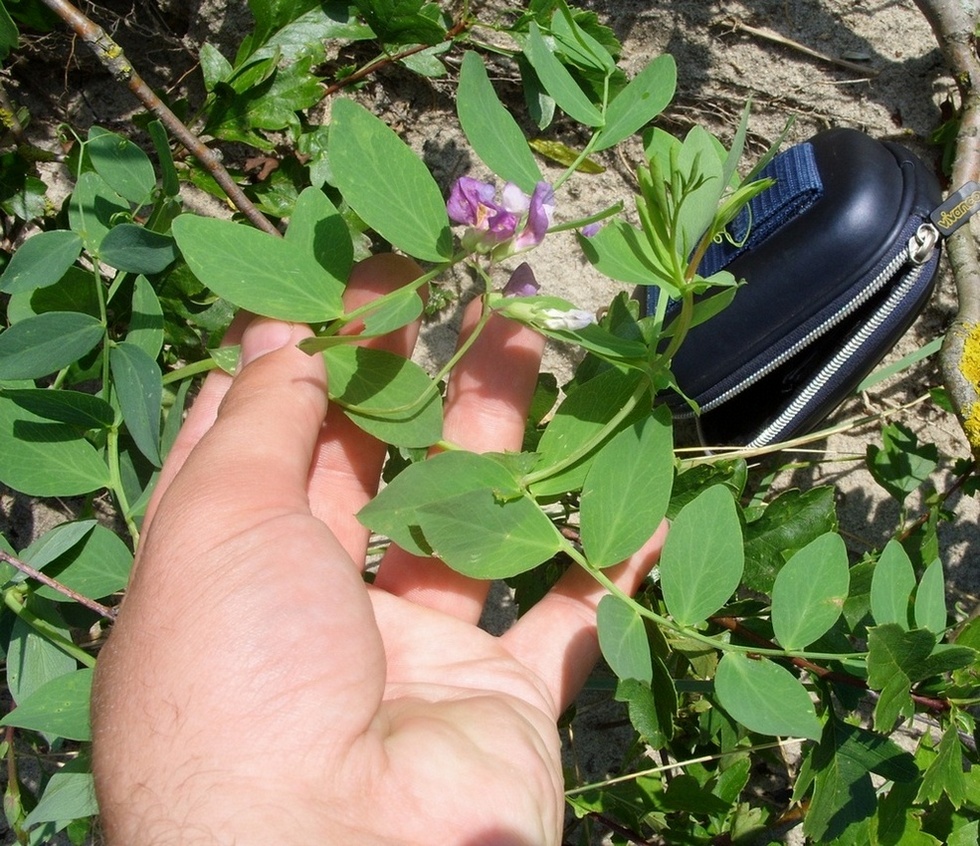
(756, 631)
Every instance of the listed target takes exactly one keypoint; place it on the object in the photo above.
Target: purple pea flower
(492, 225)
(590, 229)
(541, 209)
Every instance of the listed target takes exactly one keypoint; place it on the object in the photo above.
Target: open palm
(256, 689)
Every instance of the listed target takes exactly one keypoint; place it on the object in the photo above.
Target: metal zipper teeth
(879, 282)
(773, 430)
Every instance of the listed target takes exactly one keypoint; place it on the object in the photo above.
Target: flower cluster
(492, 225)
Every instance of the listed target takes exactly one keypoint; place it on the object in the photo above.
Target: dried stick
(115, 61)
(953, 23)
(54, 584)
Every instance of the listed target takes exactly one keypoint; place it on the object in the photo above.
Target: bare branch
(115, 61)
(54, 584)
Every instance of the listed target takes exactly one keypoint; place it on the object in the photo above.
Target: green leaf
(33, 660)
(901, 464)
(68, 795)
(146, 319)
(41, 458)
(699, 158)
(623, 640)
(650, 713)
(75, 292)
(765, 698)
(37, 346)
(701, 564)
(59, 707)
(83, 411)
(258, 272)
(491, 130)
(558, 82)
(809, 593)
(396, 510)
(316, 228)
(635, 468)
(791, 521)
(620, 251)
(403, 21)
(92, 209)
(306, 34)
(124, 166)
(56, 542)
(380, 392)
(578, 421)
(387, 185)
(484, 536)
(9, 34)
(40, 261)
(895, 660)
(944, 778)
(891, 586)
(646, 96)
(272, 15)
(930, 600)
(427, 62)
(137, 249)
(96, 567)
(139, 389)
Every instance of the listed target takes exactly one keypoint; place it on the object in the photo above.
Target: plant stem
(116, 484)
(12, 599)
(114, 60)
(54, 584)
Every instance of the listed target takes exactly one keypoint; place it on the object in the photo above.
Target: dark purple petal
(466, 198)
(501, 225)
(522, 282)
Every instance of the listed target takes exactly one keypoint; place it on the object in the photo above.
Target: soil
(870, 64)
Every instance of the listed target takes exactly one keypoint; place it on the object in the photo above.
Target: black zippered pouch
(838, 257)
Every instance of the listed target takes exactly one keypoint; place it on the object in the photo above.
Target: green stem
(205, 365)
(581, 157)
(598, 217)
(116, 484)
(641, 390)
(12, 599)
(681, 326)
(693, 634)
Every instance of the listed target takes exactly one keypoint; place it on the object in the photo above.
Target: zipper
(916, 252)
(920, 249)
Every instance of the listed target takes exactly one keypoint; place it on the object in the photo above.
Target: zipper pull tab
(958, 208)
(923, 244)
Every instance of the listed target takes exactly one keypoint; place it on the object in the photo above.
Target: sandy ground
(893, 88)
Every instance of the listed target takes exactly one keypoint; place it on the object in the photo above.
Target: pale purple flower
(522, 282)
(590, 229)
(571, 320)
(491, 223)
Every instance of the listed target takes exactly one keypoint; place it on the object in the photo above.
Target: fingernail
(264, 336)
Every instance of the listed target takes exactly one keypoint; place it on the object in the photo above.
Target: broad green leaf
(258, 272)
(701, 564)
(317, 228)
(809, 592)
(380, 392)
(895, 660)
(215, 67)
(765, 698)
(272, 15)
(84, 411)
(139, 389)
(40, 261)
(623, 640)
(698, 158)
(427, 62)
(388, 186)
(306, 34)
(651, 714)
(33, 660)
(96, 567)
(68, 795)
(892, 585)
(901, 464)
(400, 310)
(944, 778)
(485, 536)
(396, 510)
(558, 82)
(930, 600)
(59, 707)
(635, 469)
(40, 345)
(41, 458)
(170, 182)
(92, 209)
(579, 421)
(966, 834)
(646, 96)
(491, 130)
(9, 34)
(789, 522)
(403, 21)
(124, 166)
(137, 249)
(577, 45)
(75, 292)
(56, 542)
(146, 319)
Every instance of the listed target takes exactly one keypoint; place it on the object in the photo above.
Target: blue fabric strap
(798, 186)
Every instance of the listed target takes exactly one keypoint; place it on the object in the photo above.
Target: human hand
(256, 690)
